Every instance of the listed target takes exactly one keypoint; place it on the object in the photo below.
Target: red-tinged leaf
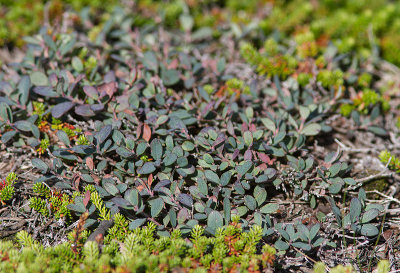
(146, 132)
(79, 78)
(139, 131)
(247, 155)
(71, 77)
(86, 198)
(91, 92)
(235, 154)
(89, 163)
(60, 109)
(96, 179)
(84, 110)
(129, 112)
(140, 188)
(150, 180)
(263, 167)
(245, 127)
(77, 180)
(174, 64)
(263, 157)
(107, 89)
(252, 128)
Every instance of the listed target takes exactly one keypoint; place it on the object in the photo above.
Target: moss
(378, 184)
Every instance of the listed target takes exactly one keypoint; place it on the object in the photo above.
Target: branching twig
(309, 258)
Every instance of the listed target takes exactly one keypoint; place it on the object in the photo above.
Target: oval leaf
(60, 109)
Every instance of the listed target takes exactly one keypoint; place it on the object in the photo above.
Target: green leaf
(150, 61)
(302, 245)
(243, 168)
(170, 77)
(248, 138)
(270, 208)
(212, 177)
(314, 231)
(208, 158)
(5, 112)
(226, 178)
(281, 245)
(334, 169)
(369, 215)
(262, 178)
(39, 164)
(132, 196)
(23, 125)
(7, 136)
(377, 130)
(186, 21)
(260, 194)
(250, 202)
(304, 112)
(103, 134)
(156, 206)
(188, 146)
(110, 188)
(156, 149)
(169, 159)
(335, 188)
(147, 168)
(369, 230)
(77, 64)
(137, 223)
(311, 129)
(23, 88)
(124, 152)
(349, 181)
(355, 209)
(215, 220)
(39, 78)
(269, 124)
(227, 210)
(162, 119)
(63, 137)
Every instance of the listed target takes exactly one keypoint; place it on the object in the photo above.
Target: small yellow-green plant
(392, 161)
(50, 202)
(7, 187)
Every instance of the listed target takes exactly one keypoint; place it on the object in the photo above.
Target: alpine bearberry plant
(168, 139)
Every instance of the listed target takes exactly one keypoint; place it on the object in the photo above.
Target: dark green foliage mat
(139, 123)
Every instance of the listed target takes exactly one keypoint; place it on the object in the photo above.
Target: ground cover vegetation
(199, 136)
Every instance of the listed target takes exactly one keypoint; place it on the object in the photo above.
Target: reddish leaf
(245, 127)
(265, 158)
(107, 89)
(86, 198)
(77, 180)
(174, 64)
(149, 180)
(139, 131)
(235, 154)
(263, 167)
(89, 163)
(146, 132)
(247, 155)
